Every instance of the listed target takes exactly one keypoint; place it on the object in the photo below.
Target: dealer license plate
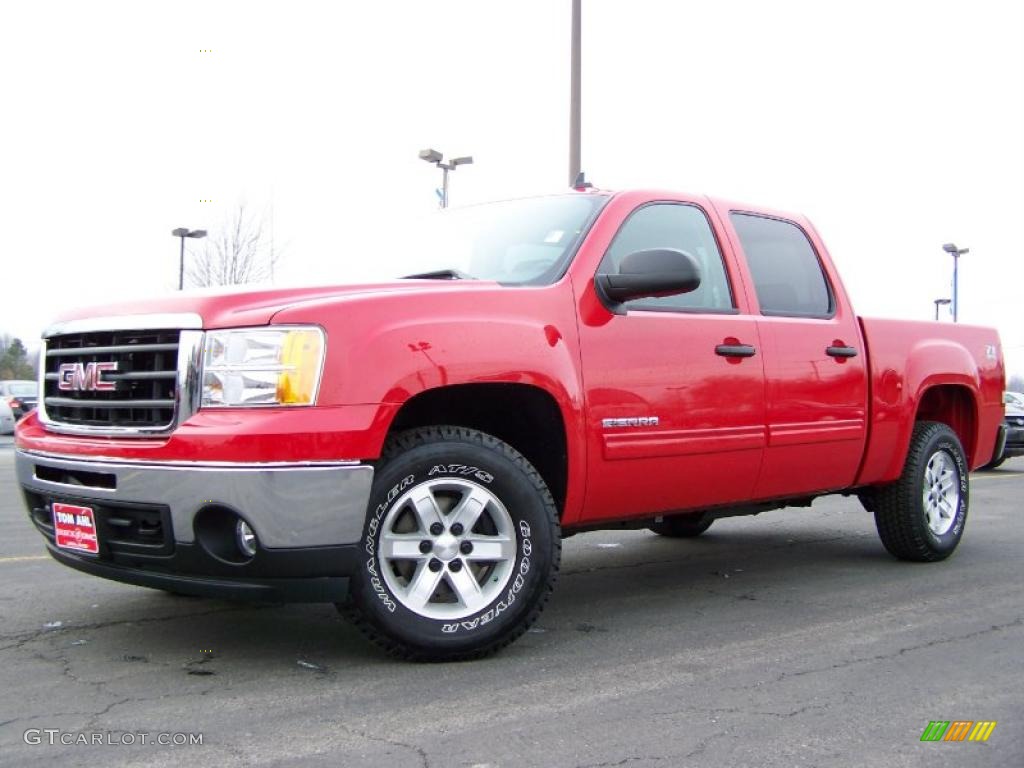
(74, 528)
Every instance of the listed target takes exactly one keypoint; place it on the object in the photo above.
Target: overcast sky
(896, 126)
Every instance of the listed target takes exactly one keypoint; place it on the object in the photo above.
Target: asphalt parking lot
(788, 639)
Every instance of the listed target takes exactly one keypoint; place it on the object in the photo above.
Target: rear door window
(787, 273)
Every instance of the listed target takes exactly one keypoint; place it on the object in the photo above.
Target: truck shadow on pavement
(610, 582)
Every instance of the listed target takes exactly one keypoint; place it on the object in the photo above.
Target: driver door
(674, 386)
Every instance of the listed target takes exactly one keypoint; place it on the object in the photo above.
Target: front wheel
(461, 546)
(921, 516)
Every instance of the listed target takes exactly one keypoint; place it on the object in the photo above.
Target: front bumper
(189, 571)
(308, 520)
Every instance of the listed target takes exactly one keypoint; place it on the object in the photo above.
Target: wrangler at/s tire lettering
(921, 516)
(460, 550)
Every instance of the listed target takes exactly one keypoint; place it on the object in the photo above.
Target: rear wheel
(921, 516)
(461, 547)
(683, 526)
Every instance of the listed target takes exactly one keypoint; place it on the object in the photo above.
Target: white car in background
(6, 419)
(1013, 426)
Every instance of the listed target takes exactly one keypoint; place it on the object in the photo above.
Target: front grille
(145, 379)
(123, 528)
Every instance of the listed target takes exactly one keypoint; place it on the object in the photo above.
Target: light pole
(950, 248)
(435, 157)
(184, 232)
(939, 303)
(574, 96)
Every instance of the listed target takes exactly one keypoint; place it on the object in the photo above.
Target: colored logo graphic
(958, 730)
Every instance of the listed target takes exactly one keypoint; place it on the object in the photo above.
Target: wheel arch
(956, 406)
(525, 416)
(929, 380)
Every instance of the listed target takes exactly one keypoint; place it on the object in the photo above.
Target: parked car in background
(1013, 422)
(6, 419)
(20, 395)
(1016, 399)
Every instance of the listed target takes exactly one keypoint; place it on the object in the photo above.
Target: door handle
(735, 350)
(841, 352)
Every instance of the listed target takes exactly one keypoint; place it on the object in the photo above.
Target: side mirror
(654, 272)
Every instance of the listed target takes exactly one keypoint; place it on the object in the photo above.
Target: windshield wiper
(440, 274)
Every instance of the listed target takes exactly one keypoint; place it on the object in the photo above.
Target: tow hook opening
(225, 535)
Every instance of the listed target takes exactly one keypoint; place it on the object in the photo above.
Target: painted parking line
(23, 558)
(1000, 476)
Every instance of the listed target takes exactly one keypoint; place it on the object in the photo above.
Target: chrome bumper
(287, 505)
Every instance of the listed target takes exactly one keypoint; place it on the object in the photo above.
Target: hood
(238, 306)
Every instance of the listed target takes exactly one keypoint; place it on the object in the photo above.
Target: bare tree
(237, 252)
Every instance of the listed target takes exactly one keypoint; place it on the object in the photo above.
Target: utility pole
(271, 234)
(574, 96)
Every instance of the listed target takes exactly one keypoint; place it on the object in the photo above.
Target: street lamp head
(467, 160)
(197, 233)
(180, 232)
(942, 302)
(430, 155)
(952, 249)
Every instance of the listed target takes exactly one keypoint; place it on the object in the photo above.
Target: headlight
(262, 366)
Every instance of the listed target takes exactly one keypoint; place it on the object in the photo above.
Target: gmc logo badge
(85, 377)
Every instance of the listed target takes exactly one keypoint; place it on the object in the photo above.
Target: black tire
(683, 526)
(444, 462)
(901, 516)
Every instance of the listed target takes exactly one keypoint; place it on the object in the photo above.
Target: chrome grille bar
(137, 376)
(120, 349)
(72, 403)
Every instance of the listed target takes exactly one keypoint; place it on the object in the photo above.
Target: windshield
(517, 242)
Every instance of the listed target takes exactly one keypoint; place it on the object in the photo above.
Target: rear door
(815, 368)
(674, 386)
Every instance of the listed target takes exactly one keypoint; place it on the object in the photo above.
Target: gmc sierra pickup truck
(416, 450)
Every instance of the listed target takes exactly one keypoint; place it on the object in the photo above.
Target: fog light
(245, 538)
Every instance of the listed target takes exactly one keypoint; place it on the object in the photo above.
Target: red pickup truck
(416, 450)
